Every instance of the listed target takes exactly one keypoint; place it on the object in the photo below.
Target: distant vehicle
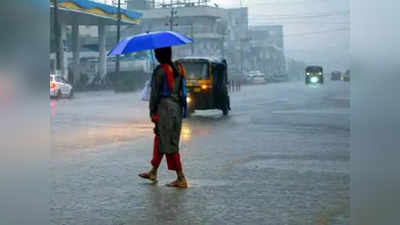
(314, 75)
(59, 87)
(207, 84)
(346, 76)
(256, 77)
(336, 75)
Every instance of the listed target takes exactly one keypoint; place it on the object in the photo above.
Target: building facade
(267, 46)
(201, 23)
(124, 3)
(140, 4)
(216, 32)
(236, 43)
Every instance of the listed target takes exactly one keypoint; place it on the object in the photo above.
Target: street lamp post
(117, 65)
(223, 29)
(171, 21)
(240, 38)
(172, 17)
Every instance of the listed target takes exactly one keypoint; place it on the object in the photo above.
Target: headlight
(204, 87)
(188, 99)
(314, 79)
(320, 73)
(308, 73)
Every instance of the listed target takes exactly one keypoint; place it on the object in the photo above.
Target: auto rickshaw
(206, 82)
(314, 75)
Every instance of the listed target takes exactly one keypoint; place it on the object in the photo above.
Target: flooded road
(280, 157)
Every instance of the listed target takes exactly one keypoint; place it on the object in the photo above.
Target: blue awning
(88, 5)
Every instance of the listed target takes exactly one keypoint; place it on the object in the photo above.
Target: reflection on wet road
(186, 133)
(280, 157)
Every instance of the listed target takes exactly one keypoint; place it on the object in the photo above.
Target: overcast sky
(316, 31)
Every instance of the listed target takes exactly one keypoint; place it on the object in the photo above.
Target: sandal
(148, 176)
(178, 184)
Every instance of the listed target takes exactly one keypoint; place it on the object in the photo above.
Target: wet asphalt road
(280, 157)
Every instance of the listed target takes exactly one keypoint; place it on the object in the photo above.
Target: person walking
(167, 108)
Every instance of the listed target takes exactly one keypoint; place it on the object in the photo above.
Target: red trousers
(173, 160)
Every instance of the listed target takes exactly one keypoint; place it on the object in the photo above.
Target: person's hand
(154, 118)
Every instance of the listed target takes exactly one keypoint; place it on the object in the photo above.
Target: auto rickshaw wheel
(227, 106)
(225, 111)
(189, 112)
(58, 95)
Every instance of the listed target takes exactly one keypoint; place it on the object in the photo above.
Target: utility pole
(117, 64)
(57, 35)
(172, 18)
(171, 21)
(223, 29)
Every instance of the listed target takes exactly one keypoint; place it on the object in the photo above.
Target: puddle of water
(186, 133)
(87, 137)
(330, 166)
(333, 111)
(206, 182)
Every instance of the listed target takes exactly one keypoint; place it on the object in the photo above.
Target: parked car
(256, 77)
(336, 75)
(59, 87)
(346, 76)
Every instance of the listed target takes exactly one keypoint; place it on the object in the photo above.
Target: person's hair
(163, 55)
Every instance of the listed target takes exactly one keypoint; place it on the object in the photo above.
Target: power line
(280, 2)
(296, 17)
(343, 47)
(299, 22)
(317, 32)
(312, 13)
(313, 33)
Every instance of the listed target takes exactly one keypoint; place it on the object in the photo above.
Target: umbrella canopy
(147, 41)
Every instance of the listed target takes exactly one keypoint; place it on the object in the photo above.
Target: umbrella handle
(152, 60)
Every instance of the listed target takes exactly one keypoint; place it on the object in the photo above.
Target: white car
(256, 77)
(259, 79)
(59, 87)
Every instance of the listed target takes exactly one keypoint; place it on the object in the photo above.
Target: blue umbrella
(147, 41)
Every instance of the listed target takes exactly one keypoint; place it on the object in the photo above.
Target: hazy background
(316, 31)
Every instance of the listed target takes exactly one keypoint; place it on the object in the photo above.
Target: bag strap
(169, 75)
